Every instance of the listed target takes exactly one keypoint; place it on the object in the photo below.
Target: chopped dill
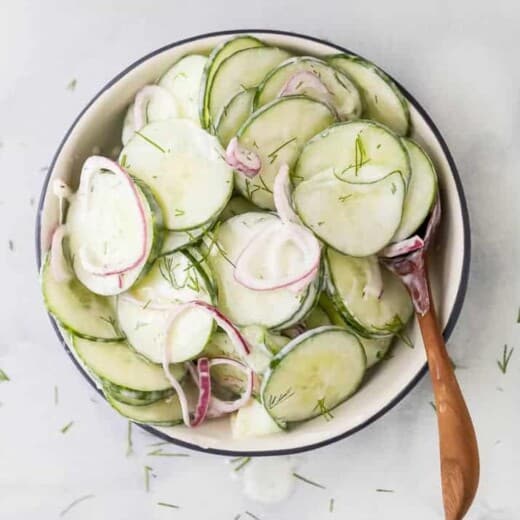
(306, 480)
(274, 154)
(165, 504)
(129, 442)
(242, 461)
(150, 141)
(67, 427)
(506, 358)
(3, 376)
(74, 503)
(324, 411)
(275, 400)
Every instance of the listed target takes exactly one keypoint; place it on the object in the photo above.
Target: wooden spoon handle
(458, 443)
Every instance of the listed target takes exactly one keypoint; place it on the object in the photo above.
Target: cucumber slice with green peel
(135, 397)
(166, 412)
(180, 161)
(104, 226)
(234, 114)
(78, 310)
(309, 301)
(357, 151)
(375, 348)
(367, 314)
(118, 364)
(237, 206)
(327, 84)
(381, 97)
(421, 193)
(183, 82)
(217, 56)
(317, 318)
(144, 312)
(355, 219)
(177, 240)
(252, 420)
(241, 305)
(242, 70)
(313, 374)
(277, 133)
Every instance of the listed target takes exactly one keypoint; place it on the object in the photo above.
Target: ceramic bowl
(99, 125)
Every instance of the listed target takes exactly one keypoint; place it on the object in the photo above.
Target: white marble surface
(461, 61)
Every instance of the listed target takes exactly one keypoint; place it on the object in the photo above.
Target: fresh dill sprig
(147, 472)
(272, 156)
(166, 504)
(242, 461)
(67, 427)
(112, 322)
(3, 376)
(74, 503)
(275, 400)
(307, 481)
(166, 269)
(506, 358)
(150, 141)
(360, 159)
(160, 453)
(129, 443)
(324, 411)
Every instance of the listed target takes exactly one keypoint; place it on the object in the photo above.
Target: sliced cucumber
(234, 114)
(78, 310)
(118, 364)
(367, 314)
(357, 152)
(104, 226)
(144, 312)
(181, 162)
(317, 318)
(382, 99)
(237, 206)
(217, 56)
(252, 420)
(375, 348)
(421, 193)
(166, 412)
(242, 70)
(340, 93)
(356, 219)
(242, 305)
(183, 82)
(177, 240)
(277, 132)
(312, 374)
(135, 397)
(128, 125)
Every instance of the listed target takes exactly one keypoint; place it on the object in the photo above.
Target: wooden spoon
(460, 466)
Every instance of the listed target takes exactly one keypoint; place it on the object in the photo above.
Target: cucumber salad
(227, 263)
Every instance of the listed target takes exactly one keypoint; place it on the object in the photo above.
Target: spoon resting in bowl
(459, 456)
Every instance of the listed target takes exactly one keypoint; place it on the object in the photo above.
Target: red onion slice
(403, 247)
(204, 384)
(303, 80)
(242, 160)
(92, 166)
(273, 235)
(144, 97)
(218, 406)
(59, 268)
(282, 196)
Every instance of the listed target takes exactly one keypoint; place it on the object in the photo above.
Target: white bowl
(99, 124)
